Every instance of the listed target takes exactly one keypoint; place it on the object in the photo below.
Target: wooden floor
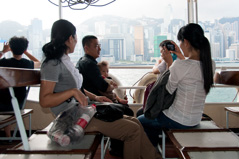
(170, 151)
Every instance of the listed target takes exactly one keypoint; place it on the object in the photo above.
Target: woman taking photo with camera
(161, 65)
(192, 78)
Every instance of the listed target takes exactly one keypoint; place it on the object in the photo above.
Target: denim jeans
(154, 127)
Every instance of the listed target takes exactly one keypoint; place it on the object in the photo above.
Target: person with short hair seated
(18, 46)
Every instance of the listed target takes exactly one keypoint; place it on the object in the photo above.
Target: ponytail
(60, 33)
(206, 63)
(195, 35)
(53, 50)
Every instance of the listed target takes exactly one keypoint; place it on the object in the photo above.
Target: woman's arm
(97, 98)
(50, 99)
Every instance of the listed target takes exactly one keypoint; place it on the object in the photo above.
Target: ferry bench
(39, 145)
(207, 140)
(14, 77)
(205, 143)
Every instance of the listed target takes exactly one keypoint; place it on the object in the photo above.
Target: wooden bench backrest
(16, 77)
(227, 77)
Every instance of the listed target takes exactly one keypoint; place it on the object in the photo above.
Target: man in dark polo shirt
(87, 65)
(93, 81)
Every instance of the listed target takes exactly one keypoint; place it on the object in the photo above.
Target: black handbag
(110, 112)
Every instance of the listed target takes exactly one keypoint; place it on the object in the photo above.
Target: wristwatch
(1, 52)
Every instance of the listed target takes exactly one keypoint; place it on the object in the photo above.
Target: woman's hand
(80, 97)
(123, 101)
(113, 84)
(102, 99)
(166, 55)
(177, 51)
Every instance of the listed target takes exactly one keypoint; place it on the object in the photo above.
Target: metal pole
(196, 7)
(20, 123)
(188, 12)
(60, 10)
(192, 11)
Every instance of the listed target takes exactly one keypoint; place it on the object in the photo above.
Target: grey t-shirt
(57, 72)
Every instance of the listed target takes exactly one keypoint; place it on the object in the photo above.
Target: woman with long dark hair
(192, 78)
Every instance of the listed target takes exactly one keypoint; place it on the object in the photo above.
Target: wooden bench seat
(16, 77)
(42, 156)
(8, 118)
(103, 145)
(199, 143)
(204, 125)
(41, 144)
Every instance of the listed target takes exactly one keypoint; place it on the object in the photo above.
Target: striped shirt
(186, 76)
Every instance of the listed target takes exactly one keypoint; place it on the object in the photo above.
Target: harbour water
(128, 77)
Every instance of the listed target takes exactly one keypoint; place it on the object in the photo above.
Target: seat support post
(19, 119)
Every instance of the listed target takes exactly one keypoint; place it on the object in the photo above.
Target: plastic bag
(68, 127)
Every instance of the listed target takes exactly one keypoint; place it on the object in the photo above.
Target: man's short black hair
(87, 40)
(18, 45)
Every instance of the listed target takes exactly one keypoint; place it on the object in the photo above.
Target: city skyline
(134, 40)
(119, 35)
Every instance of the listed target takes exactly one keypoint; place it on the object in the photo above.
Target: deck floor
(4, 145)
(170, 151)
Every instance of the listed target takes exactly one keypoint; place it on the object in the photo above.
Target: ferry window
(220, 21)
(129, 30)
(27, 18)
(221, 26)
(131, 25)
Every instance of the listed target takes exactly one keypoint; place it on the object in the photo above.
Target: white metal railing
(220, 68)
(150, 67)
(143, 87)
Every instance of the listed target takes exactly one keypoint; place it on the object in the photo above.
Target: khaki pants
(129, 130)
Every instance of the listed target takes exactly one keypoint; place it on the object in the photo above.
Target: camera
(170, 46)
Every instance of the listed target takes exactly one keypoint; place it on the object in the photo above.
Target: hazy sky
(25, 10)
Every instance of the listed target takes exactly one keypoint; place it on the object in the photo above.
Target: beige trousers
(129, 130)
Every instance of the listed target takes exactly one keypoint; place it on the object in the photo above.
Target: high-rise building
(235, 28)
(236, 48)
(114, 29)
(100, 28)
(217, 38)
(157, 40)
(215, 50)
(139, 41)
(168, 16)
(113, 46)
(35, 37)
(230, 53)
(226, 28)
